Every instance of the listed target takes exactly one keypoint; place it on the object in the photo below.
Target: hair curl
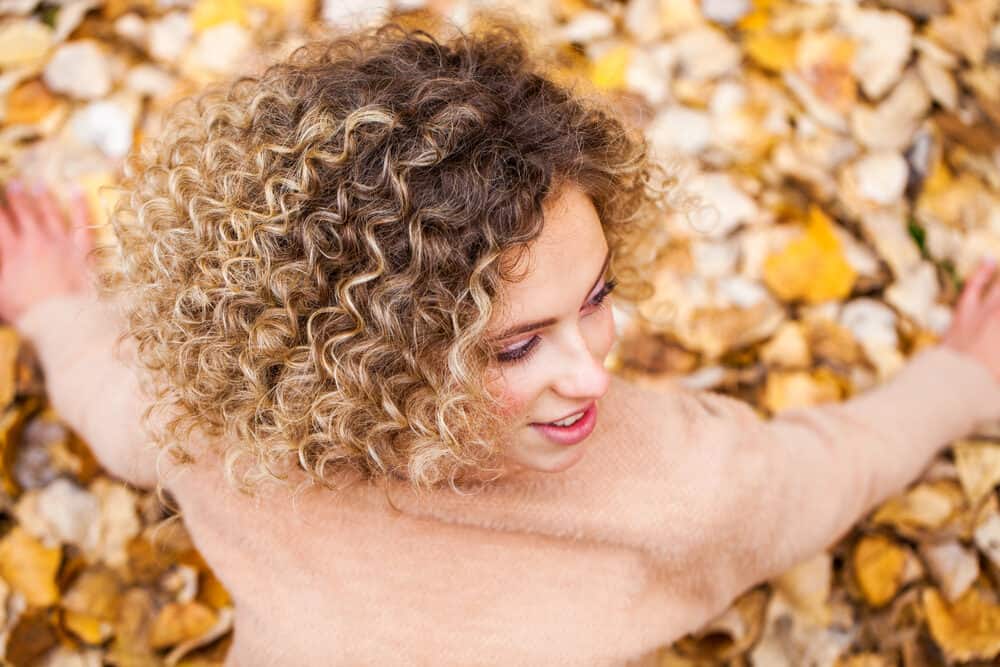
(311, 255)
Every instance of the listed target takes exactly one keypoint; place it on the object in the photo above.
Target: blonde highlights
(311, 255)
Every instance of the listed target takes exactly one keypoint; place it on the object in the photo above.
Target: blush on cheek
(513, 405)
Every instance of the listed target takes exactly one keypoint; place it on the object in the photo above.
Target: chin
(563, 459)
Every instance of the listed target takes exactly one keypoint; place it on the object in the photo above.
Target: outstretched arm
(46, 293)
(788, 487)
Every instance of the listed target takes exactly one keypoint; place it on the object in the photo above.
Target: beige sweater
(684, 500)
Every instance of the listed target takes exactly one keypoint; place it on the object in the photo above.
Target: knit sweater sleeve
(721, 498)
(798, 482)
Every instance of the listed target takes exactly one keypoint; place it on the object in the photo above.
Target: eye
(519, 353)
(523, 352)
(608, 288)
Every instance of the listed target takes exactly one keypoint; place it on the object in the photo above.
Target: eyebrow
(531, 326)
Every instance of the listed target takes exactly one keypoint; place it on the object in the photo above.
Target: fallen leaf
(30, 567)
(179, 622)
(968, 629)
(812, 267)
(879, 563)
(978, 464)
(608, 70)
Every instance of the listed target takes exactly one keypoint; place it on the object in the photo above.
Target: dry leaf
(926, 505)
(179, 622)
(30, 567)
(978, 464)
(953, 565)
(879, 564)
(969, 629)
(812, 267)
(23, 42)
(30, 103)
(807, 586)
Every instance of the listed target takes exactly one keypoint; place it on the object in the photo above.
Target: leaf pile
(845, 157)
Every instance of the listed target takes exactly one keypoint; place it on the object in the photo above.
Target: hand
(975, 328)
(41, 256)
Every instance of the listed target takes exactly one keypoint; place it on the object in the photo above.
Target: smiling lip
(570, 435)
(566, 416)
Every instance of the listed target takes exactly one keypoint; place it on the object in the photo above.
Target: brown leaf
(31, 636)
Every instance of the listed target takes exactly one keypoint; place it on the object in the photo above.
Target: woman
(379, 275)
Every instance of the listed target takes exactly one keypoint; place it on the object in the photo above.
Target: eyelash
(522, 353)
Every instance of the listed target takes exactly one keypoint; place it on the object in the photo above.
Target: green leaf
(919, 236)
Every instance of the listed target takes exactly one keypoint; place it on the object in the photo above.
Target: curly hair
(311, 254)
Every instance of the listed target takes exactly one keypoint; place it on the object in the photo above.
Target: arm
(798, 482)
(788, 487)
(91, 385)
(47, 294)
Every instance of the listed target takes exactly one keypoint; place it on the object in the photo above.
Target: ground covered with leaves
(846, 156)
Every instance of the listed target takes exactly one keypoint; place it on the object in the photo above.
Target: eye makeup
(522, 353)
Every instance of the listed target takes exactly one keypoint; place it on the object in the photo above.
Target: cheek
(515, 402)
(514, 389)
(605, 336)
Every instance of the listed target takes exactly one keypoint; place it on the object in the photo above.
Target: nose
(583, 375)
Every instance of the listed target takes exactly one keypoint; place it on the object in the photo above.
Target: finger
(992, 298)
(80, 218)
(6, 229)
(25, 216)
(972, 293)
(52, 216)
(79, 208)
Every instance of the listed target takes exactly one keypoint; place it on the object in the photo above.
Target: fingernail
(38, 187)
(990, 261)
(14, 185)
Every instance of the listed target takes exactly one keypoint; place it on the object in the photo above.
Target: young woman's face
(554, 366)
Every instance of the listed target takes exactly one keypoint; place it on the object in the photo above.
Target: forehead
(567, 254)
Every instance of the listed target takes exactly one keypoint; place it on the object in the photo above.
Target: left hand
(41, 256)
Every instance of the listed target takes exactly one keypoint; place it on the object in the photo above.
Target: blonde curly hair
(311, 255)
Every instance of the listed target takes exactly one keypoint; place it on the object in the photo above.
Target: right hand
(975, 327)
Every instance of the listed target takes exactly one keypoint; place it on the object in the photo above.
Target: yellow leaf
(679, 15)
(863, 660)
(879, 564)
(978, 465)
(30, 102)
(807, 586)
(812, 267)
(95, 592)
(24, 42)
(181, 621)
(608, 71)
(30, 567)
(969, 629)
(12, 422)
(89, 628)
(825, 61)
(772, 52)
(208, 13)
(927, 505)
(212, 592)
(785, 390)
(10, 343)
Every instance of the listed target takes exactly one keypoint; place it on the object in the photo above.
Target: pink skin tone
(43, 249)
(564, 372)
